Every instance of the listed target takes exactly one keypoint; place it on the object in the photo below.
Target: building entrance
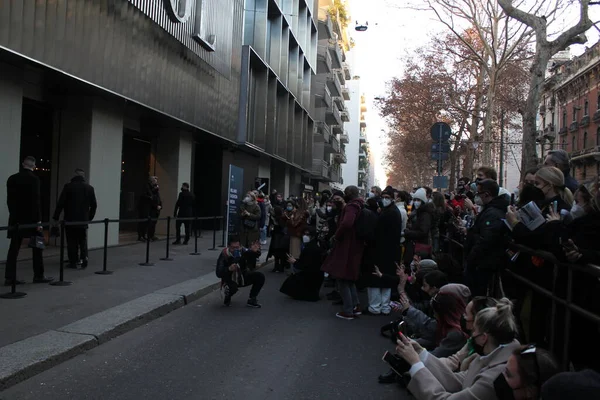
(136, 167)
(36, 141)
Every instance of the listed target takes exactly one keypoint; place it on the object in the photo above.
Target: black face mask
(502, 389)
(463, 324)
(477, 347)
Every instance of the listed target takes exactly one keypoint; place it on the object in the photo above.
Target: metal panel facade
(134, 49)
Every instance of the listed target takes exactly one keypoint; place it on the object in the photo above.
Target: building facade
(180, 89)
(350, 172)
(570, 112)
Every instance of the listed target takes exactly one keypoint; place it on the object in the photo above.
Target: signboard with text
(234, 198)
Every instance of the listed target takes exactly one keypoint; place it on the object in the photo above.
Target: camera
(394, 328)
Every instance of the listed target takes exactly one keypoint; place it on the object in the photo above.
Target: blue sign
(234, 199)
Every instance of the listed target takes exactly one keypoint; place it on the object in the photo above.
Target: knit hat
(389, 191)
(427, 266)
(572, 385)
(420, 194)
(458, 290)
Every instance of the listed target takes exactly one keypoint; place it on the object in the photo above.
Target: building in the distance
(570, 111)
(350, 173)
(366, 163)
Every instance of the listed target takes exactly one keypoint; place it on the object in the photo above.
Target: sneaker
(263, 242)
(227, 298)
(43, 279)
(343, 315)
(142, 239)
(176, 243)
(252, 302)
(357, 311)
(154, 239)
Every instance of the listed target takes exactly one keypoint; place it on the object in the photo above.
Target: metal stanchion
(214, 234)
(147, 263)
(224, 232)
(13, 294)
(61, 281)
(166, 257)
(104, 271)
(196, 252)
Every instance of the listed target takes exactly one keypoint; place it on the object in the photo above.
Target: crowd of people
(435, 261)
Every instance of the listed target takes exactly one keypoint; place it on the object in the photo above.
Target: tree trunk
(470, 151)
(538, 69)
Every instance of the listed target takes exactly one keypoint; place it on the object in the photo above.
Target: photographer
(235, 266)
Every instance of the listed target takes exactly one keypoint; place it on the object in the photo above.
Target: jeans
(263, 234)
(256, 279)
(379, 300)
(11, 260)
(349, 295)
(186, 225)
(77, 248)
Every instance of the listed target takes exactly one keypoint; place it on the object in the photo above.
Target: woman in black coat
(388, 252)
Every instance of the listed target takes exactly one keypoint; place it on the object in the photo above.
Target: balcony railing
(344, 138)
(585, 121)
(335, 144)
(325, 26)
(563, 130)
(333, 116)
(336, 53)
(345, 93)
(573, 127)
(347, 73)
(345, 116)
(333, 83)
(324, 130)
(321, 168)
(341, 77)
(362, 139)
(324, 61)
(596, 116)
(339, 102)
(323, 100)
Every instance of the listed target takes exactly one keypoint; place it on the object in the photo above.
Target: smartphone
(400, 329)
(555, 206)
(396, 363)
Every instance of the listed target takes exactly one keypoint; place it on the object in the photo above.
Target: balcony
(345, 93)
(581, 157)
(346, 69)
(336, 53)
(542, 109)
(321, 169)
(323, 100)
(363, 123)
(340, 157)
(341, 76)
(339, 102)
(345, 116)
(323, 129)
(325, 26)
(596, 116)
(335, 145)
(337, 129)
(333, 83)
(344, 138)
(336, 173)
(324, 61)
(362, 154)
(574, 127)
(333, 116)
(585, 121)
(362, 139)
(563, 130)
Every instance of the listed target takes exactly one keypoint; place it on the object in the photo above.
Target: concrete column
(173, 167)
(91, 138)
(11, 106)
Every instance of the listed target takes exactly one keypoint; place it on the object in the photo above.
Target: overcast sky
(393, 33)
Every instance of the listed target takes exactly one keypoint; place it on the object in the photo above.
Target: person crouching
(234, 267)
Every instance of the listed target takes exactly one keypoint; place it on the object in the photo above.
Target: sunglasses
(529, 352)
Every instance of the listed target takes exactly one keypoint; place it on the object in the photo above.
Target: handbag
(248, 223)
(37, 242)
(423, 249)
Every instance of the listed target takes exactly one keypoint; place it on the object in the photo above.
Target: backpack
(365, 224)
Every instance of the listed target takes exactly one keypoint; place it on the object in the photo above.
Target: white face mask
(577, 211)
(247, 199)
(329, 208)
(305, 239)
(371, 195)
(386, 202)
(416, 204)
(478, 201)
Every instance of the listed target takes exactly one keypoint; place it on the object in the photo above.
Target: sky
(393, 34)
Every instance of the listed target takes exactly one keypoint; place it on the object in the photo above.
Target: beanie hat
(420, 194)
(458, 290)
(572, 385)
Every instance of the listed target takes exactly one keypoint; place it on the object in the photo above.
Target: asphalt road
(286, 350)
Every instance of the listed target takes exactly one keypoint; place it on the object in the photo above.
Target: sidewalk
(130, 293)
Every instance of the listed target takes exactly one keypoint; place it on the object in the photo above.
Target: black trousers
(147, 229)
(256, 279)
(186, 224)
(77, 248)
(11, 260)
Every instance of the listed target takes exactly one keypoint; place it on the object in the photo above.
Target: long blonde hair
(555, 177)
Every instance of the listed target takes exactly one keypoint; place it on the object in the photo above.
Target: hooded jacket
(78, 200)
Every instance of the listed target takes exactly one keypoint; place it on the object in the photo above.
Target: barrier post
(196, 252)
(105, 250)
(214, 234)
(61, 281)
(223, 233)
(13, 294)
(166, 257)
(147, 263)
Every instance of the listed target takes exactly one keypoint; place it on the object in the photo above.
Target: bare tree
(544, 50)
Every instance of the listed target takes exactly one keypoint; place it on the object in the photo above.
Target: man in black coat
(184, 208)
(149, 207)
(24, 207)
(486, 240)
(78, 200)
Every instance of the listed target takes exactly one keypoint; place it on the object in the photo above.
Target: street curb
(22, 360)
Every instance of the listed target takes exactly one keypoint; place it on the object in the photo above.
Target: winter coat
(263, 214)
(246, 261)
(486, 240)
(296, 224)
(388, 251)
(149, 202)
(254, 210)
(185, 205)
(437, 382)
(23, 201)
(280, 241)
(542, 237)
(420, 230)
(570, 182)
(344, 260)
(78, 200)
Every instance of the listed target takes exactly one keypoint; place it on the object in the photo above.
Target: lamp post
(502, 148)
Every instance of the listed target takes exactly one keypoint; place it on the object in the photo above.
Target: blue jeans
(263, 234)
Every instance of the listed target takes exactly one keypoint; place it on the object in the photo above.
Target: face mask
(305, 239)
(577, 211)
(290, 208)
(247, 199)
(477, 348)
(416, 204)
(237, 253)
(478, 201)
(371, 195)
(386, 202)
(463, 324)
(502, 389)
(460, 187)
(329, 208)
(474, 186)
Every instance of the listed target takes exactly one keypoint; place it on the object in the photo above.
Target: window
(598, 139)
(598, 103)
(574, 113)
(563, 144)
(585, 137)
(552, 121)
(584, 172)
(564, 119)
(586, 106)
(544, 122)
(574, 142)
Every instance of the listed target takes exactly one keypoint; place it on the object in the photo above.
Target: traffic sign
(441, 131)
(440, 182)
(439, 156)
(440, 148)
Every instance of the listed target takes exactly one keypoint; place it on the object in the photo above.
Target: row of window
(575, 141)
(586, 107)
